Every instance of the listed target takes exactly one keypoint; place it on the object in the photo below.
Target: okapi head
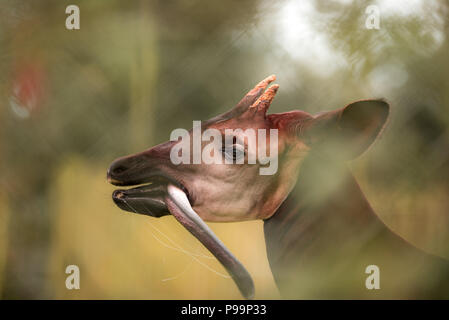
(237, 191)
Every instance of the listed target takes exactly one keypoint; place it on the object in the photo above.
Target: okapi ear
(346, 133)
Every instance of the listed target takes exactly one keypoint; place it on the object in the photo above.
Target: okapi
(320, 231)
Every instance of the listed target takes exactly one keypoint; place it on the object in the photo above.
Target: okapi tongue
(180, 208)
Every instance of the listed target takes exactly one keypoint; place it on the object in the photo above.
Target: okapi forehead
(289, 124)
(220, 118)
(242, 123)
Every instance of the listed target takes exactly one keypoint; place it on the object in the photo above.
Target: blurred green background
(71, 101)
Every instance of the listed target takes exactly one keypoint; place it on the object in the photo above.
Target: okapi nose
(113, 171)
(139, 167)
(130, 170)
(118, 171)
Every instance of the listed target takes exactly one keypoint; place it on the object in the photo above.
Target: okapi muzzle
(143, 169)
(194, 193)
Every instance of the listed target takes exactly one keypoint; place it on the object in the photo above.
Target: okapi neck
(326, 204)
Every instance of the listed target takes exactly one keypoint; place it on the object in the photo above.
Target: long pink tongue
(180, 208)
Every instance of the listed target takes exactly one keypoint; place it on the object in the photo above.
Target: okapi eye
(234, 152)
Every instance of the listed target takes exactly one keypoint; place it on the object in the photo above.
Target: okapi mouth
(162, 195)
(149, 198)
